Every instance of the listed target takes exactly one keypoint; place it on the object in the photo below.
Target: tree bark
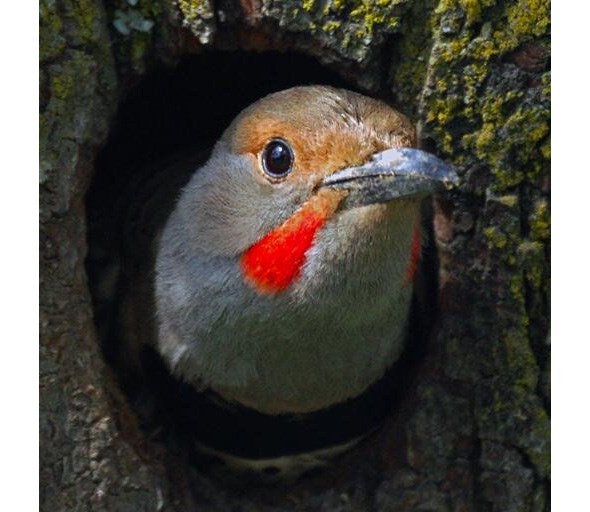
(473, 431)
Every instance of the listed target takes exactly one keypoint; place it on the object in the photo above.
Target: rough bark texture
(473, 432)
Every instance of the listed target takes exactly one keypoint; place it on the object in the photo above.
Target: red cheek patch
(275, 261)
(415, 254)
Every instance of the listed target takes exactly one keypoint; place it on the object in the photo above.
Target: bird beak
(392, 174)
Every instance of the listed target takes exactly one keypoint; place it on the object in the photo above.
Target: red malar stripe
(415, 254)
(275, 261)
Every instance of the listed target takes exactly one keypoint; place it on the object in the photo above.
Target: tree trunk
(472, 431)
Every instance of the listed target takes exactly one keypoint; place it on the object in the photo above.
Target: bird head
(299, 231)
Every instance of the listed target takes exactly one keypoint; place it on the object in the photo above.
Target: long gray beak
(393, 174)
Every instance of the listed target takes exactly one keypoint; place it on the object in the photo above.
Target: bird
(279, 275)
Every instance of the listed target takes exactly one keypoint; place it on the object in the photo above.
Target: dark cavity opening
(183, 110)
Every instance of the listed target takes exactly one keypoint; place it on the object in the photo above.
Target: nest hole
(182, 110)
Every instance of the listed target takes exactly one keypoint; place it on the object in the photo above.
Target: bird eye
(277, 158)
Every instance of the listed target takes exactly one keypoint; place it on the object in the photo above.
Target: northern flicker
(282, 277)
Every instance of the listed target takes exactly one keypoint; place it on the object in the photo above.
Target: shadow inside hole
(183, 111)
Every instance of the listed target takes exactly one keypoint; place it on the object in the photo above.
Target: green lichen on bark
(76, 23)
(80, 447)
(410, 59)
(133, 26)
(199, 17)
(460, 89)
(51, 40)
(352, 28)
(71, 78)
(486, 105)
(540, 221)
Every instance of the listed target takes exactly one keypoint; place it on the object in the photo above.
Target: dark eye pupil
(277, 158)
